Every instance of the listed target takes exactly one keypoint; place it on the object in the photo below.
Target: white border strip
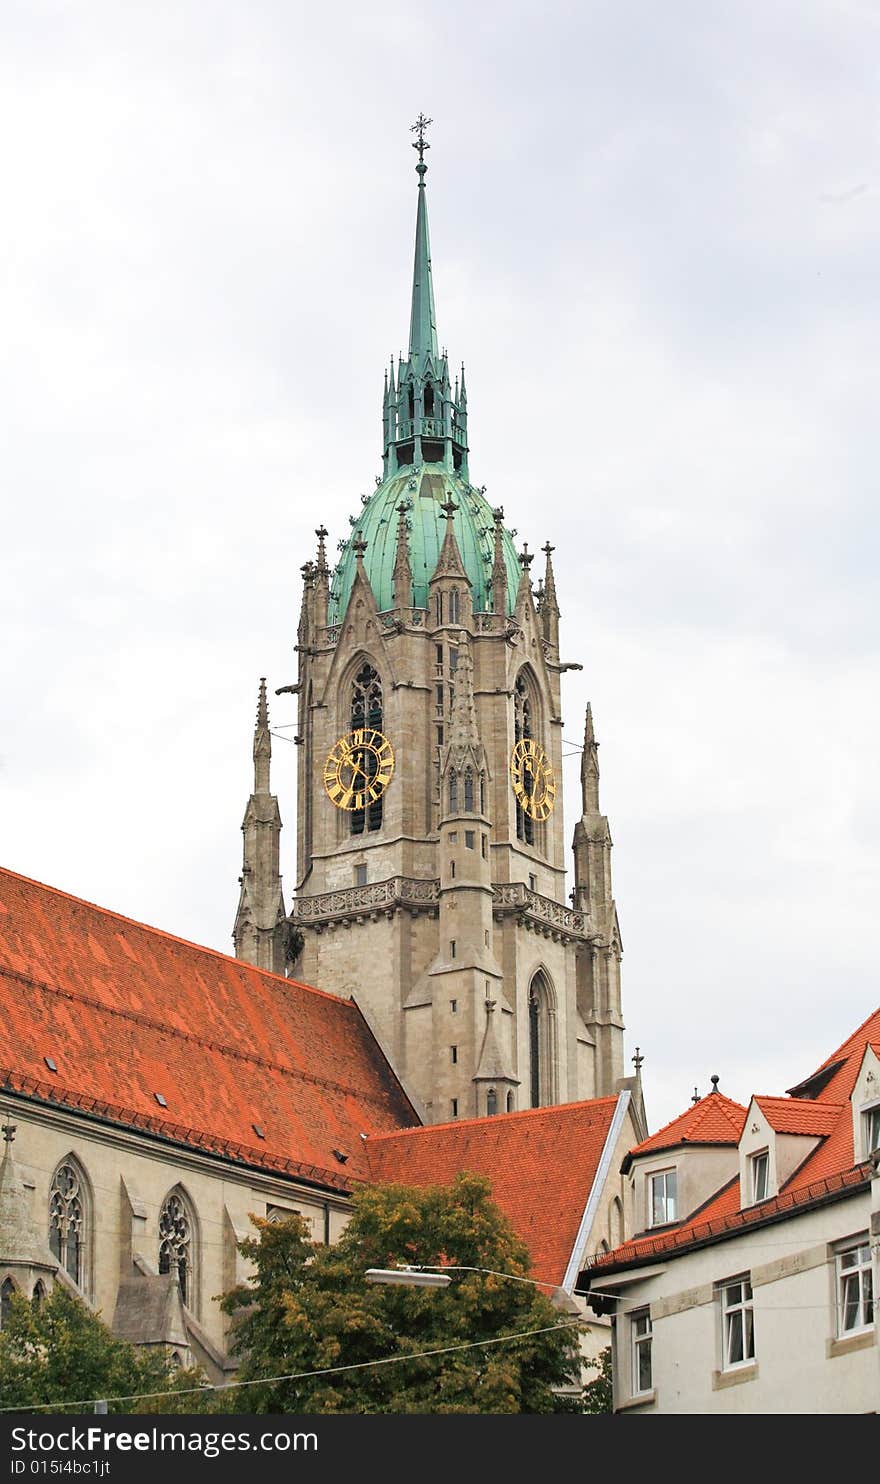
(569, 1282)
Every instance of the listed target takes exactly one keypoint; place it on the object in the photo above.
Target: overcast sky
(655, 244)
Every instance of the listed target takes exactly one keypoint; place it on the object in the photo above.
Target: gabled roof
(828, 1172)
(126, 1012)
(542, 1163)
(715, 1119)
(799, 1115)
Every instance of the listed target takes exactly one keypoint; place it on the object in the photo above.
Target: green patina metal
(425, 489)
(424, 461)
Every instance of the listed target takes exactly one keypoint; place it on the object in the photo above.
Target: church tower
(260, 933)
(430, 874)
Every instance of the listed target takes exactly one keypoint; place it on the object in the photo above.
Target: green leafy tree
(598, 1393)
(310, 1309)
(59, 1351)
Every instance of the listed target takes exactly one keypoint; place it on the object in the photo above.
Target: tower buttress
(549, 604)
(402, 575)
(260, 932)
(321, 579)
(499, 567)
(599, 961)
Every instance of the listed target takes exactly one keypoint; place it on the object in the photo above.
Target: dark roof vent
(340, 1155)
(258, 1130)
(50, 1064)
(160, 1100)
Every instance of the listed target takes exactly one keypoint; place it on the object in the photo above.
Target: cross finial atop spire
(526, 557)
(638, 1061)
(420, 142)
(359, 547)
(449, 508)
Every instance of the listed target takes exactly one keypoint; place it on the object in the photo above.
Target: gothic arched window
(510, 1102)
(468, 791)
(522, 727)
(366, 711)
(177, 1243)
(68, 1202)
(38, 1294)
(491, 1102)
(542, 1042)
(7, 1289)
(455, 606)
(438, 602)
(429, 400)
(453, 792)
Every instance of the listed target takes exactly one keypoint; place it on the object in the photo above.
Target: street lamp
(419, 1277)
(408, 1277)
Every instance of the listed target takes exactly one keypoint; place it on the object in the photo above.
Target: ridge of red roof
(121, 1008)
(715, 1119)
(542, 1163)
(492, 1119)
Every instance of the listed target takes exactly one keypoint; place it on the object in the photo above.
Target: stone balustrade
(349, 903)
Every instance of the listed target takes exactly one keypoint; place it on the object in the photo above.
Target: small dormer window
(759, 1171)
(871, 1129)
(662, 1198)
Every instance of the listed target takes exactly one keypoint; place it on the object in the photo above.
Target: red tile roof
(715, 1119)
(126, 1011)
(799, 1115)
(542, 1163)
(827, 1170)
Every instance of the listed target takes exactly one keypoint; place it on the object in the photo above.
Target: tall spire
(321, 580)
(259, 933)
(423, 319)
(590, 767)
(550, 605)
(262, 743)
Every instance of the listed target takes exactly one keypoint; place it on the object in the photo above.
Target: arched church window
(469, 791)
(491, 1102)
(366, 711)
(453, 792)
(522, 727)
(542, 1048)
(510, 1101)
(7, 1289)
(411, 399)
(438, 606)
(455, 606)
(482, 794)
(429, 400)
(177, 1243)
(67, 1219)
(39, 1294)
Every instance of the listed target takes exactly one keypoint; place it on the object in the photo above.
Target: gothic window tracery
(455, 606)
(176, 1243)
(366, 711)
(67, 1220)
(469, 791)
(453, 792)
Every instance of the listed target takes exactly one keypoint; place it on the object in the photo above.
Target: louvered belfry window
(366, 711)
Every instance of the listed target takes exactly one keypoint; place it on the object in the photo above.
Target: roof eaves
(834, 1188)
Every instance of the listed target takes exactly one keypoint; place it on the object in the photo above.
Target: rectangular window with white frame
(759, 1170)
(855, 1287)
(871, 1129)
(661, 1198)
(737, 1323)
(641, 1334)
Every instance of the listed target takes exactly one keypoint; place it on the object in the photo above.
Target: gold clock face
(533, 779)
(359, 769)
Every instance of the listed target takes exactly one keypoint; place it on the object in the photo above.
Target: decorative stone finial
(449, 508)
(8, 1131)
(359, 546)
(526, 557)
(638, 1061)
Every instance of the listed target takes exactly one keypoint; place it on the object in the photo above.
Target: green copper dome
(424, 488)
